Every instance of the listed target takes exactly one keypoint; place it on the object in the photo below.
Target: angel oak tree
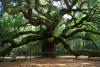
(84, 15)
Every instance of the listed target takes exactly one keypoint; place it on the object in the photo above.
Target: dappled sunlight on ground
(51, 62)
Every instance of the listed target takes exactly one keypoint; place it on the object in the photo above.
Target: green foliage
(1, 50)
(59, 29)
(60, 50)
(79, 16)
(32, 48)
(43, 16)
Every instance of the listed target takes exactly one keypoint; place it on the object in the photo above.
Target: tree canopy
(58, 21)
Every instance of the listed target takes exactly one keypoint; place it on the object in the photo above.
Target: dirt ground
(62, 61)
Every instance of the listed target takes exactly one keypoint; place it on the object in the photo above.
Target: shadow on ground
(62, 61)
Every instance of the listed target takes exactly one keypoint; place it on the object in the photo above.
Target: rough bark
(48, 48)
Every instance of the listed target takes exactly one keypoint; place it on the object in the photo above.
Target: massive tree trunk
(48, 48)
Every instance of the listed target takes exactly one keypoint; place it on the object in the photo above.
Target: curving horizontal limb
(68, 48)
(81, 30)
(84, 38)
(14, 44)
(64, 43)
(18, 34)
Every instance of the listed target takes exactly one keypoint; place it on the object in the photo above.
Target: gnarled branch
(24, 41)
(84, 38)
(81, 30)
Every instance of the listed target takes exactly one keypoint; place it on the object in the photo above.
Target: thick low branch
(30, 38)
(24, 33)
(67, 47)
(16, 35)
(24, 41)
(8, 41)
(8, 49)
(65, 44)
(23, 25)
(84, 38)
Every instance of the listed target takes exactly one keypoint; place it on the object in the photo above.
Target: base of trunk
(49, 54)
(48, 49)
